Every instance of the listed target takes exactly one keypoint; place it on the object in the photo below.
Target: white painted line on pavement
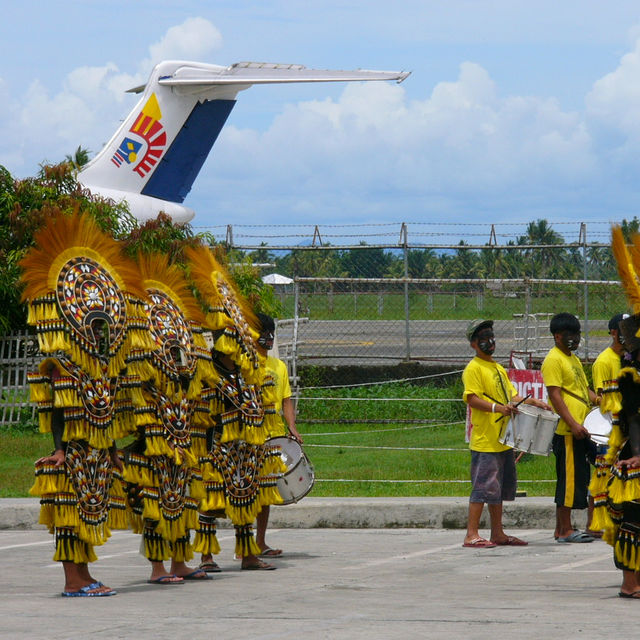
(26, 544)
(404, 556)
(579, 563)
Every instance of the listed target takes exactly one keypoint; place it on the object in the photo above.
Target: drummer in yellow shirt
(607, 367)
(277, 394)
(492, 398)
(571, 399)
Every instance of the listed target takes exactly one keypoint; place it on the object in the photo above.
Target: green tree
(366, 262)
(25, 206)
(542, 261)
(629, 227)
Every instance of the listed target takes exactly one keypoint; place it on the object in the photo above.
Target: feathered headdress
(175, 323)
(228, 313)
(79, 286)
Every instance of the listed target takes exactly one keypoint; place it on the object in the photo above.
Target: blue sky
(515, 110)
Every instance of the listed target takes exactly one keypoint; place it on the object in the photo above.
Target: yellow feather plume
(68, 236)
(626, 267)
(157, 273)
(207, 273)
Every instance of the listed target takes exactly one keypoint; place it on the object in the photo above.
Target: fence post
(407, 325)
(527, 313)
(583, 237)
(294, 346)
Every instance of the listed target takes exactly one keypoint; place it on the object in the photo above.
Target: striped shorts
(572, 471)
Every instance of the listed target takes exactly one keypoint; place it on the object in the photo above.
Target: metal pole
(583, 234)
(294, 346)
(527, 315)
(407, 325)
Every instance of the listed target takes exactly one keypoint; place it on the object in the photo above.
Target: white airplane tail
(155, 156)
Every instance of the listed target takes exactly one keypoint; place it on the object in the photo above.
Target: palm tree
(79, 158)
(542, 260)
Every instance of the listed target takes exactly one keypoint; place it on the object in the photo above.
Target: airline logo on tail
(147, 134)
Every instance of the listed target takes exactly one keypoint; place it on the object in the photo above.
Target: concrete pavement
(330, 583)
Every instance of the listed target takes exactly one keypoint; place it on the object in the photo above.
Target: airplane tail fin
(161, 146)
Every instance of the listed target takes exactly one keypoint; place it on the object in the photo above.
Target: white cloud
(462, 138)
(615, 99)
(86, 112)
(372, 146)
(194, 39)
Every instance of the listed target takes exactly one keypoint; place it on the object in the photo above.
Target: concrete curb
(355, 513)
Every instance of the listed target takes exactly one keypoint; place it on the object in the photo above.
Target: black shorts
(572, 471)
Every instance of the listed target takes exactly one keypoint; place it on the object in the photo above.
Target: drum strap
(576, 396)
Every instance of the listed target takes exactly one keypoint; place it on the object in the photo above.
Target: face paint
(266, 340)
(569, 340)
(486, 342)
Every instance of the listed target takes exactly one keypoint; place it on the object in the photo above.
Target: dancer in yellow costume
(82, 296)
(605, 371)
(164, 481)
(622, 524)
(239, 471)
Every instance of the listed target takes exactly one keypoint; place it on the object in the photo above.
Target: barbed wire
(400, 231)
(348, 225)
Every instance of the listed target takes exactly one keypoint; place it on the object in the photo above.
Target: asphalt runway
(339, 342)
(330, 583)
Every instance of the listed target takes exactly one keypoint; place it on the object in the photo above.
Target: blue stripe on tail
(175, 173)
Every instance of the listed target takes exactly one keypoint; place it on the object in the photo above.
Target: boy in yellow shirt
(571, 398)
(278, 394)
(492, 398)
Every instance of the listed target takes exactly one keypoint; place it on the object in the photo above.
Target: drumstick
(521, 401)
(515, 406)
(492, 399)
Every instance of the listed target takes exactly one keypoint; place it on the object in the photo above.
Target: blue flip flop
(83, 592)
(166, 580)
(577, 536)
(195, 575)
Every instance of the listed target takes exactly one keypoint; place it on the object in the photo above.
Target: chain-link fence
(406, 293)
(410, 299)
(373, 322)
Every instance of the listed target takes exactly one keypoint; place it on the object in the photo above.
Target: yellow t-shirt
(487, 380)
(606, 370)
(566, 372)
(276, 392)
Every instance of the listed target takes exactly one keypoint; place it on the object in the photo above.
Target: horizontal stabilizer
(249, 73)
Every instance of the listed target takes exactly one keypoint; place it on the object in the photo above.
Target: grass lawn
(416, 449)
(464, 305)
(386, 440)
(20, 450)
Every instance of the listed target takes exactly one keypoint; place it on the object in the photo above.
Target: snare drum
(298, 480)
(531, 430)
(598, 425)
